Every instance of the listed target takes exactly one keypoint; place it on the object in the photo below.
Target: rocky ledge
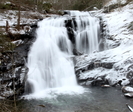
(106, 67)
(13, 69)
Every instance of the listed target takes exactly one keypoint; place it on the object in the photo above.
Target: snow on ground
(12, 15)
(118, 22)
(26, 17)
(115, 2)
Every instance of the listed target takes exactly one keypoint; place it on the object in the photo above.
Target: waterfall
(49, 60)
(87, 32)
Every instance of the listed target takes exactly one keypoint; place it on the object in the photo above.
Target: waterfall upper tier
(86, 31)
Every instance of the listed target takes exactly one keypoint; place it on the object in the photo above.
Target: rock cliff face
(13, 67)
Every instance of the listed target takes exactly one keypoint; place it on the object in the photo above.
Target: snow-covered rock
(120, 55)
(130, 95)
(127, 89)
(17, 42)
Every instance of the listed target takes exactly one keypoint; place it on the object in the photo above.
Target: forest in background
(47, 5)
(51, 6)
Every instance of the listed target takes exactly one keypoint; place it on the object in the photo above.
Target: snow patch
(111, 2)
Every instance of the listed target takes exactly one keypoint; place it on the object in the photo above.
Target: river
(94, 99)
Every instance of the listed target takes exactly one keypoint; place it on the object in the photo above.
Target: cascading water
(49, 66)
(49, 60)
(87, 32)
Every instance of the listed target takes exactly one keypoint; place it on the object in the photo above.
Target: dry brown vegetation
(47, 5)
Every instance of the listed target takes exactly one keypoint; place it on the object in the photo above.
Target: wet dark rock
(68, 23)
(107, 65)
(29, 88)
(131, 81)
(71, 26)
(82, 84)
(66, 12)
(84, 80)
(104, 33)
(77, 53)
(13, 69)
(3, 69)
(24, 48)
(71, 34)
(130, 26)
(97, 64)
(118, 83)
(34, 25)
(130, 74)
(100, 81)
(11, 60)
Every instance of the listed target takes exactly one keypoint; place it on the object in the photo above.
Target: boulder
(100, 81)
(106, 86)
(127, 89)
(130, 95)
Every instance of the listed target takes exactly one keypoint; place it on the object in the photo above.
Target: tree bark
(7, 26)
(18, 26)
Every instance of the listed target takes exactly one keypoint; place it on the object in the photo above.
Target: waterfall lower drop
(49, 62)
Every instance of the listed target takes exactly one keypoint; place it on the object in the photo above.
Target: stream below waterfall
(93, 100)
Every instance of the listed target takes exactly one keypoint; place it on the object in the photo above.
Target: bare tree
(19, 16)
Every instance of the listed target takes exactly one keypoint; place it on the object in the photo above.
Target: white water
(49, 62)
(87, 32)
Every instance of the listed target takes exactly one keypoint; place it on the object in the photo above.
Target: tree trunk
(18, 25)
(7, 26)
